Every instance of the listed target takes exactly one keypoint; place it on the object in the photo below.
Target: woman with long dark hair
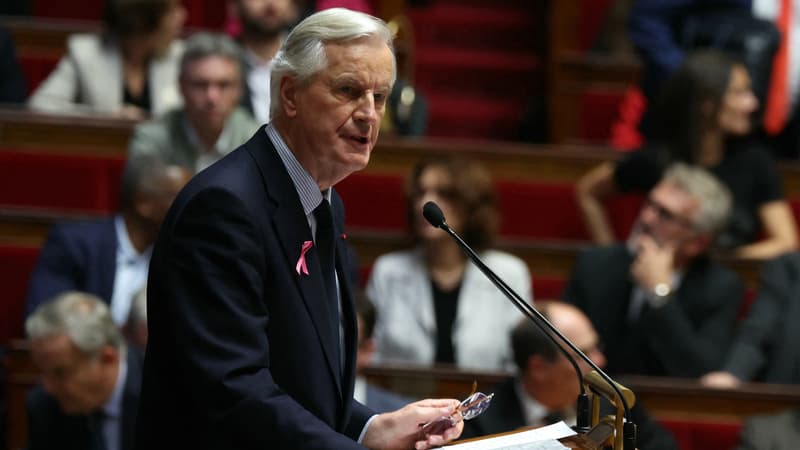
(704, 116)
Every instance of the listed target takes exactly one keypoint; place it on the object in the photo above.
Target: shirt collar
(306, 186)
(113, 407)
(125, 248)
(221, 146)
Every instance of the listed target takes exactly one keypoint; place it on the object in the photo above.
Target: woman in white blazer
(130, 70)
(433, 305)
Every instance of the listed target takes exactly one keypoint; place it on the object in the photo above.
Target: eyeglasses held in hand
(470, 408)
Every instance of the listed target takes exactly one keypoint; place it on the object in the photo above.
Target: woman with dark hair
(704, 117)
(433, 305)
(130, 70)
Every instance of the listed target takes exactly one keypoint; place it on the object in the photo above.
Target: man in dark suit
(765, 348)
(93, 256)
(660, 304)
(90, 379)
(546, 387)
(252, 329)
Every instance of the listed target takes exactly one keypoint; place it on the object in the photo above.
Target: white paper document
(544, 438)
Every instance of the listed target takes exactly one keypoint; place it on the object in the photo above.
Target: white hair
(714, 198)
(83, 317)
(302, 54)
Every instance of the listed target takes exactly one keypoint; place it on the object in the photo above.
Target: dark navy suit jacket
(76, 256)
(242, 353)
(49, 428)
(686, 337)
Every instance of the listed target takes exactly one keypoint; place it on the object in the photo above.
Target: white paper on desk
(543, 438)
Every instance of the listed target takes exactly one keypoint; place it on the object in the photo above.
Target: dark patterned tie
(326, 250)
(96, 420)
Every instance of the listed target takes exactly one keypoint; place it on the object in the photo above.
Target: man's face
(77, 381)
(267, 17)
(435, 184)
(563, 382)
(211, 89)
(667, 216)
(335, 116)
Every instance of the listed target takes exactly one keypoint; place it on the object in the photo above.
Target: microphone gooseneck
(433, 214)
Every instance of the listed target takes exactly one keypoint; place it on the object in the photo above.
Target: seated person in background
(264, 25)
(12, 81)
(109, 257)
(546, 389)
(210, 124)
(704, 117)
(778, 431)
(131, 70)
(765, 347)
(433, 305)
(378, 399)
(90, 379)
(661, 305)
(135, 328)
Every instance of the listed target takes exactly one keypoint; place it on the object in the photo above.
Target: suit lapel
(291, 226)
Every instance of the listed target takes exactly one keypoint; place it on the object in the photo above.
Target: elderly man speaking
(252, 326)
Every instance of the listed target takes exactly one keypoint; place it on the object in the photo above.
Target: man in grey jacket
(210, 123)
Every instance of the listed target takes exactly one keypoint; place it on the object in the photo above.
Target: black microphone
(433, 214)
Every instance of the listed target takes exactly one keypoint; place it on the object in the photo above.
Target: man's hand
(653, 263)
(400, 429)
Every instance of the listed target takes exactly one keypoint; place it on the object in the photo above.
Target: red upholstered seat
(16, 264)
(67, 182)
(700, 435)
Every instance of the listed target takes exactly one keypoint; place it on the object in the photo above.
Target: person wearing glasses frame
(660, 303)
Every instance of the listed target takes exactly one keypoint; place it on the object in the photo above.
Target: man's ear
(108, 355)
(289, 89)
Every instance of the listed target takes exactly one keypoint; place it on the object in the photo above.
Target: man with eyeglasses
(660, 304)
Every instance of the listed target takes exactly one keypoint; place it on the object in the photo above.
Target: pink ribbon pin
(301, 261)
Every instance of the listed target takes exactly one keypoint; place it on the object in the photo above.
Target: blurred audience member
(765, 348)
(264, 24)
(433, 305)
(546, 387)
(131, 70)
(777, 431)
(378, 399)
(109, 257)
(762, 32)
(12, 81)
(135, 329)
(406, 108)
(210, 123)
(703, 118)
(90, 380)
(660, 304)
